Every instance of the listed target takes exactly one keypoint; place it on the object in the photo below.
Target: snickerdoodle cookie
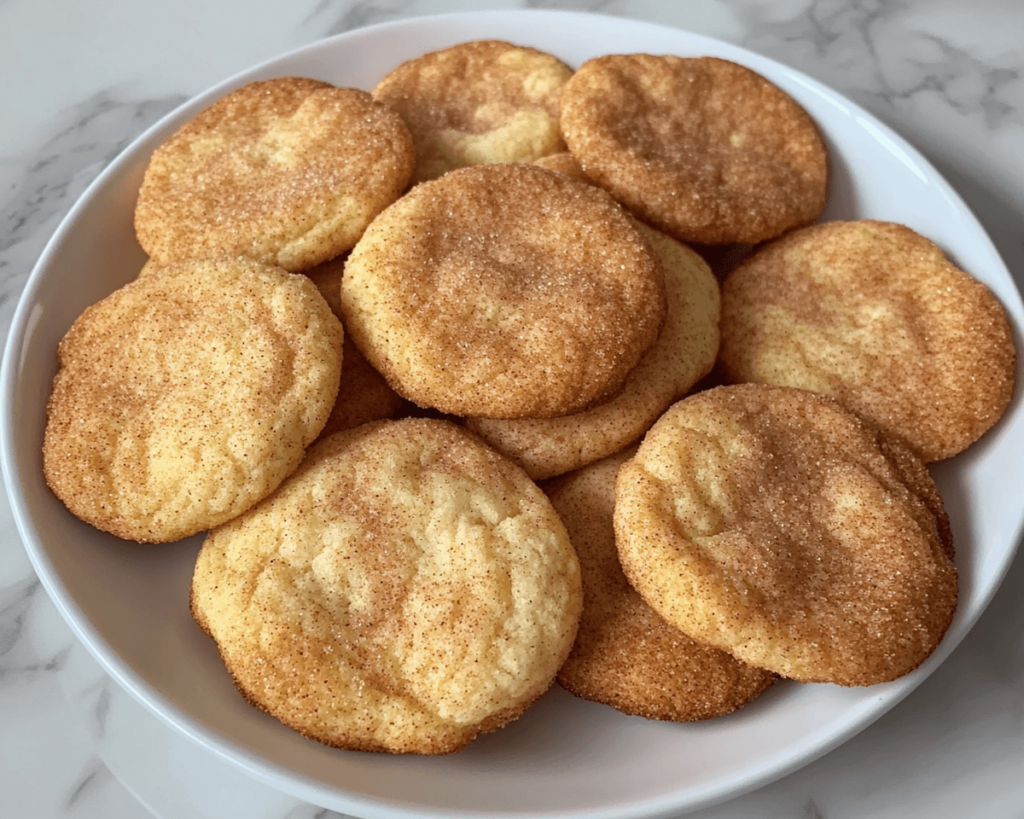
(287, 171)
(875, 315)
(625, 655)
(188, 395)
(683, 354)
(702, 148)
(770, 523)
(406, 590)
(504, 291)
(477, 102)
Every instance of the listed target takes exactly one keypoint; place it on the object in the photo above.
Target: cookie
(406, 590)
(875, 315)
(683, 354)
(702, 148)
(287, 171)
(768, 522)
(504, 291)
(625, 655)
(364, 395)
(477, 102)
(188, 395)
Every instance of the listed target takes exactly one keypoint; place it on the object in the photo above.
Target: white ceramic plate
(565, 757)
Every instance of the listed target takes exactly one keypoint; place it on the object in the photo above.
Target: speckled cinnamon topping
(875, 315)
(504, 291)
(625, 655)
(287, 171)
(769, 522)
(683, 354)
(188, 395)
(703, 148)
(477, 102)
(405, 591)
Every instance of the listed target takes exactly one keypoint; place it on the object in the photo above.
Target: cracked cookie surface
(406, 590)
(771, 523)
(188, 395)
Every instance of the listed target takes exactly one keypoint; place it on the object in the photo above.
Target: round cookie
(768, 522)
(625, 655)
(702, 148)
(504, 291)
(875, 315)
(288, 171)
(477, 102)
(188, 395)
(683, 354)
(406, 590)
(364, 395)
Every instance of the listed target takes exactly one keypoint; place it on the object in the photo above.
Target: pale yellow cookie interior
(477, 102)
(683, 354)
(406, 590)
(767, 522)
(188, 395)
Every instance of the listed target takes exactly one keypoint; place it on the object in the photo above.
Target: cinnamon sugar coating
(683, 354)
(477, 102)
(504, 291)
(288, 171)
(625, 655)
(702, 148)
(875, 315)
(770, 523)
(188, 395)
(405, 591)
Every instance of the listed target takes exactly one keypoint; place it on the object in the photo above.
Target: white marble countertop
(81, 80)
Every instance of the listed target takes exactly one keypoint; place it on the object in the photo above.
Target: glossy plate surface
(565, 757)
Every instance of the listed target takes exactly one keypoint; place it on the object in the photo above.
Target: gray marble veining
(39, 190)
